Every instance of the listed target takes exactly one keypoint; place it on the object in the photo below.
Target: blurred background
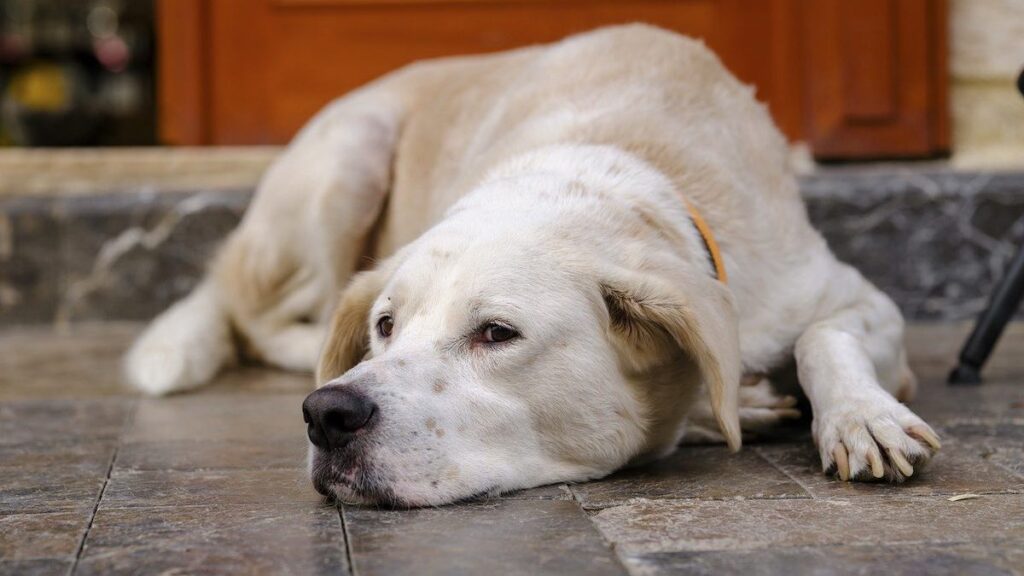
(866, 80)
(77, 73)
(133, 132)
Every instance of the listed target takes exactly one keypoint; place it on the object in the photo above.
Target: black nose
(334, 414)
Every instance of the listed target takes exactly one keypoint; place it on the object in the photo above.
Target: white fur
(184, 348)
(545, 187)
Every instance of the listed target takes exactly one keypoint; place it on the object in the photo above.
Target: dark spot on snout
(440, 254)
(439, 386)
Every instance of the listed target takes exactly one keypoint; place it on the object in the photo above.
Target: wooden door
(875, 78)
(253, 71)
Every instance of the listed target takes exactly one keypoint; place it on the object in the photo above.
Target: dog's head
(497, 353)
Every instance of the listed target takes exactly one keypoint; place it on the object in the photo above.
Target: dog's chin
(349, 480)
(345, 494)
(353, 481)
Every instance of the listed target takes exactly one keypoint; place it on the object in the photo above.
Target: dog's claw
(923, 433)
(875, 459)
(787, 402)
(788, 413)
(900, 461)
(842, 462)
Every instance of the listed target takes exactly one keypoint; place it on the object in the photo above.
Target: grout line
(773, 464)
(345, 538)
(612, 546)
(129, 418)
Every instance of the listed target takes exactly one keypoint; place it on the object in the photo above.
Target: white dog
(572, 246)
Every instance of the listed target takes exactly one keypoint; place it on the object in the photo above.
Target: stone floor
(96, 480)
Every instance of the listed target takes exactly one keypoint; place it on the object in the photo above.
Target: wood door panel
(868, 60)
(182, 50)
(356, 45)
(852, 78)
(869, 79)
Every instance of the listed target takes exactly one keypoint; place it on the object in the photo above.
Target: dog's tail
(184, 347)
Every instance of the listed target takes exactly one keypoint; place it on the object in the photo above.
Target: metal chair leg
(1001, 308)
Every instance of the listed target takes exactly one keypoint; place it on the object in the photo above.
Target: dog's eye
(494, 333)
(384, 326)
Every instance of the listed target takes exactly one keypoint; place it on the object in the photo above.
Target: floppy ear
(699, 317)
(348, 337)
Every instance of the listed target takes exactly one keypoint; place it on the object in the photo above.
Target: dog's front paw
(873, 437)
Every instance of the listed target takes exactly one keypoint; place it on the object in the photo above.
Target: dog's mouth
(351, 481)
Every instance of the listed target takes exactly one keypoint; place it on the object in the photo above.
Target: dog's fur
(545, 188)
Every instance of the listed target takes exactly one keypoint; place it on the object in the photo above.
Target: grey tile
(80, 362)
(86, 456)
(907, 560)
(956, 469)
(41, 567)
(933, 349)
(497, 537)
(996, 400)
(27, 421)
(551, 492)
(999, 443)
(41, 490)
(1010, 458)
(251, 539)
(248, 380)
(692, 472)
(84, 361)
(695, 525)
(214, 417)
(41, 536)
(290, 453)
(207, 488)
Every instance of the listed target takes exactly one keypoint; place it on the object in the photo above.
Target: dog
(547, 260)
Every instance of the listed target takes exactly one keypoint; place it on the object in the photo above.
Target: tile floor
(94, 479)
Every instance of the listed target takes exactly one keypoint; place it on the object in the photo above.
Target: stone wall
(935, 240)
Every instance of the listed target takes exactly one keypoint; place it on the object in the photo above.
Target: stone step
(933, 238)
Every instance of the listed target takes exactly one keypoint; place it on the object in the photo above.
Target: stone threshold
(63, 172)
(931, 236)
(91, 171)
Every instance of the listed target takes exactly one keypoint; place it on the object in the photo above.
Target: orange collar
(709, 242)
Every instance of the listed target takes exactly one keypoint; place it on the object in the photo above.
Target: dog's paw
(761, 407)
(873, 437)
(183, 348)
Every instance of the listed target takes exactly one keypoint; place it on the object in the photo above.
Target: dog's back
(663, 97)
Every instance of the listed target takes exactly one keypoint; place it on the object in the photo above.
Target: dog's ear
(695, 314)
(348, 337)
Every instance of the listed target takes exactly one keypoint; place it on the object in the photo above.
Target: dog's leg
(274, 280)
(184, 347)
(851, 362)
